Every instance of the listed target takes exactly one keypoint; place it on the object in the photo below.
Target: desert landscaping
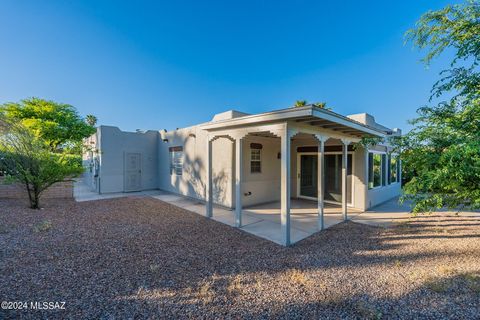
(140, 257)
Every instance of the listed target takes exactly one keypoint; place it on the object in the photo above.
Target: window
(176, 160)
(393, 169)
(375, 170)
(255, 158)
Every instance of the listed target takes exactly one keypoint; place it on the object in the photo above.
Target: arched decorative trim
(321, 137)
(190, 136)
(212, 138)
(276, 130)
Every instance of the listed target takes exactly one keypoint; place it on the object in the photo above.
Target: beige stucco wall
(265, 186)
(115, 143)
(192, 181)
(360, 178)
(111, 145)
(385, 193)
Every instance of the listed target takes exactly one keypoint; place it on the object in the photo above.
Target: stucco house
(238, 160)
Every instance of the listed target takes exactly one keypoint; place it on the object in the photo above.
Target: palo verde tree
(41, 143)
(27, 159)
(58, 124)
(442, 151)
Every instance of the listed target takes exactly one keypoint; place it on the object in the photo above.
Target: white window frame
(259, 160)
(397, 167)
(382, 168)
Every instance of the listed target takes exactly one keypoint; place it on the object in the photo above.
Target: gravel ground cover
(143, 258)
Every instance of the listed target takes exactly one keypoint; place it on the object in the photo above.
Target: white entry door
(133, 172)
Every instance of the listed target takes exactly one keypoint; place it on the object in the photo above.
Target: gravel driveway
(143, 258)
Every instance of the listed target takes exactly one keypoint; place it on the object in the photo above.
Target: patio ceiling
(335, 126)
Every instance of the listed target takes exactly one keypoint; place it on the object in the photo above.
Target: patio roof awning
(308, 115)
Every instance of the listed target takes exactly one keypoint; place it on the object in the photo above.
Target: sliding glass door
(307, 177)
(333, 178)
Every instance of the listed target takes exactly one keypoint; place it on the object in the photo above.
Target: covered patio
(309, 127)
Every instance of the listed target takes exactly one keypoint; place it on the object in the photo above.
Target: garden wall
(17, 191)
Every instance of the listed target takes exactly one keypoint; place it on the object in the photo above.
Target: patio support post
(238, 181)
(208, 182)
(345, 144)
(367, 178)
(285, 185)
(321, 179)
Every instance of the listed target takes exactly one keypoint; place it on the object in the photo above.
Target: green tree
(59, 125)
(27, 159)
(442, 151)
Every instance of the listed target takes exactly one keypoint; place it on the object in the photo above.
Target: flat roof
(309, 114)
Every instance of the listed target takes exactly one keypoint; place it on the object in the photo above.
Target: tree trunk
(31, 197)
(36, 197)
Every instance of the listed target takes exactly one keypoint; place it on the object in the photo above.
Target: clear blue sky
(168, 64)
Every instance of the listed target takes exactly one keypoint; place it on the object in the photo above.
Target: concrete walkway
(386, 214)
(264, 220)
(82, 192)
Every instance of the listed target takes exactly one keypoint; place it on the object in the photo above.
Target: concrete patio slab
(272, 231)
(228, 217)
(303, 214)
(264, 220)
(197, 208)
